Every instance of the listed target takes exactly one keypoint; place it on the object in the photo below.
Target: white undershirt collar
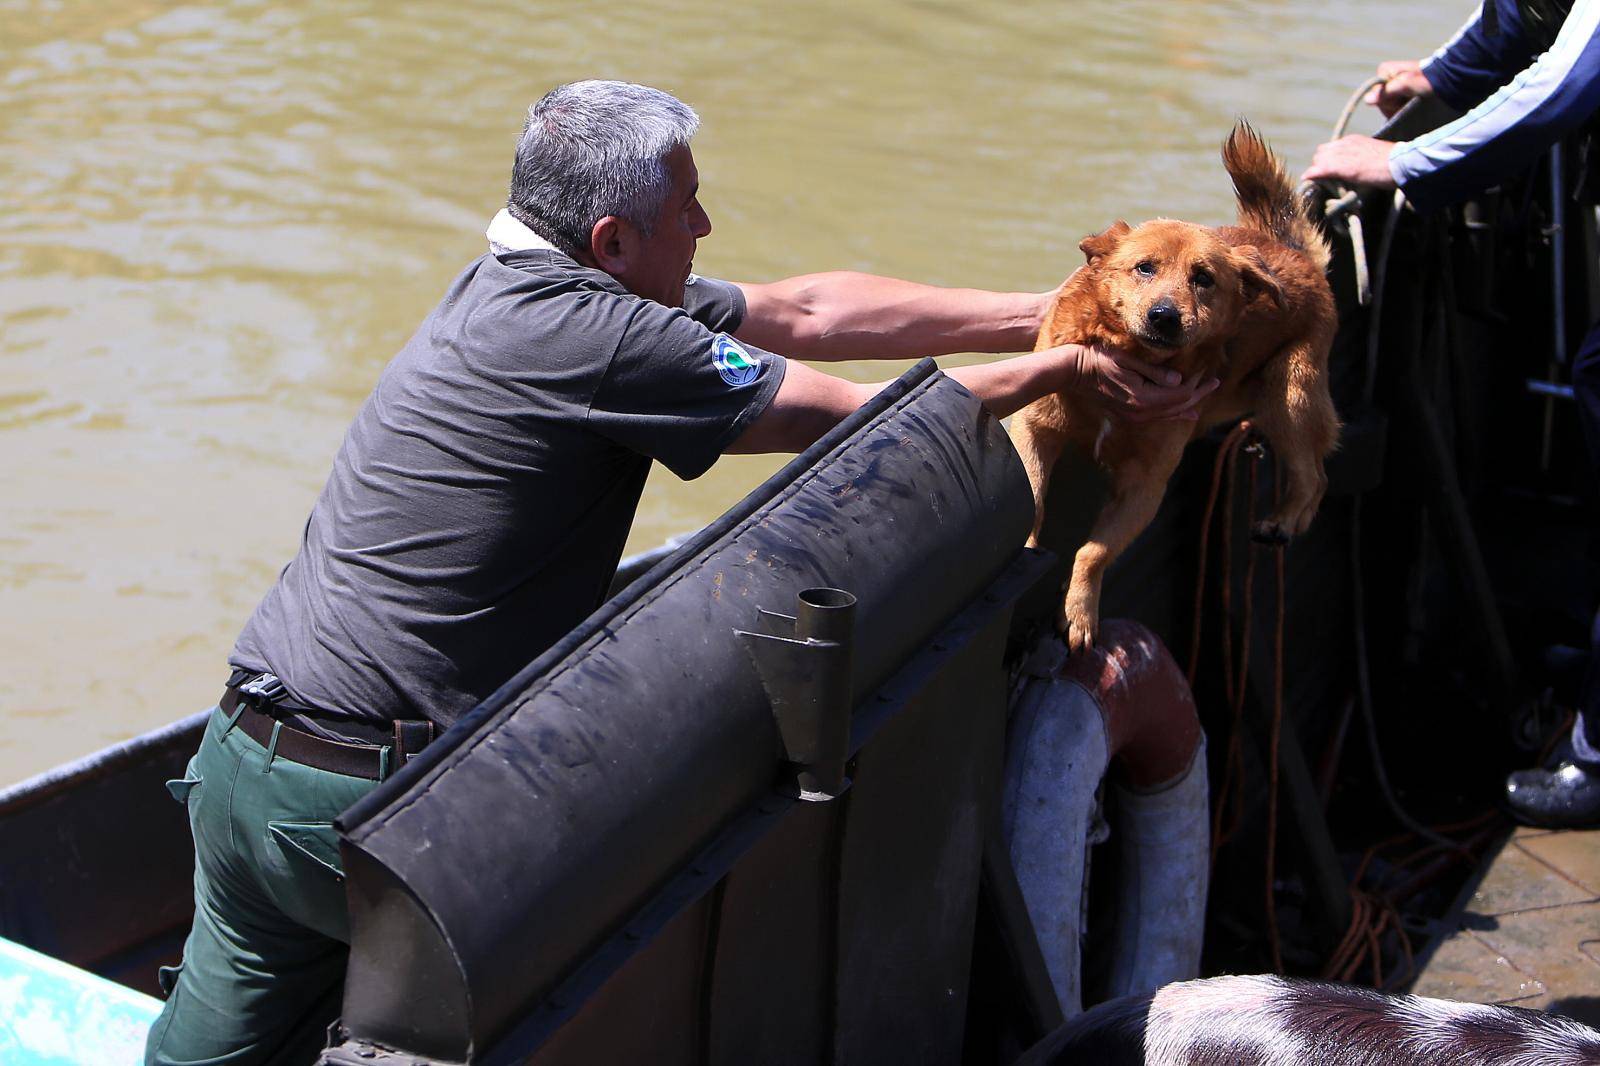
(507, 235)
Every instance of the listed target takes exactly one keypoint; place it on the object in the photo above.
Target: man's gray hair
(592, 149)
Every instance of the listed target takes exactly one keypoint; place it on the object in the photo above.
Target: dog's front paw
(1269, 531)
(1078, 622)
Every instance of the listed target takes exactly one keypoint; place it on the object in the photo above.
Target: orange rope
(1237, 678)
(1373, 912)
(1235, 675)
(1273, 744)
(1224, 453)
(1376, 951)
(1227, 581)
(1341, 954)
(1405, 950)
(1375, 916)
(1222, 473)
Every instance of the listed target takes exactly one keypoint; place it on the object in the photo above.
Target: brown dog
(1245, 304)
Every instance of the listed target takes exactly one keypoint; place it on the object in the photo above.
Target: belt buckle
(263, 688)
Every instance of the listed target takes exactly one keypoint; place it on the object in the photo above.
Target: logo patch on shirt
(737, 366)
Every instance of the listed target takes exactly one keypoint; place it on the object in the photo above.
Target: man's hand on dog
(1136, 390)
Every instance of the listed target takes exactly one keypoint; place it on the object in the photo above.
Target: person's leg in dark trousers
(1570, 794)
(266, 955)
(1586, 730)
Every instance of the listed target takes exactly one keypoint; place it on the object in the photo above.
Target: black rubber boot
(1565, 797)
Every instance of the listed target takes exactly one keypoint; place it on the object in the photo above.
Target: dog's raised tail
(1267, 199)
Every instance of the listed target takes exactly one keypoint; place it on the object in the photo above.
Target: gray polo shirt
(480, 501)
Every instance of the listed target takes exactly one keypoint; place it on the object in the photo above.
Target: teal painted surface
(54, 1014)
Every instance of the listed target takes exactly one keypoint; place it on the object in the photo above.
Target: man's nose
(701, 223)
(1164, 316)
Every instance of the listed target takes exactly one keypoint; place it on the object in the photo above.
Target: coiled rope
(1348, 202)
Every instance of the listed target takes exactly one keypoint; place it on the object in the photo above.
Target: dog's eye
(1145, 269)
(1203, 279)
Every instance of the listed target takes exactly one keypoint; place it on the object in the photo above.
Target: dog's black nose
(1164, 316)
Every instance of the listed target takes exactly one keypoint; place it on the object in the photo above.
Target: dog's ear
(1098, 244)
(1256, 276)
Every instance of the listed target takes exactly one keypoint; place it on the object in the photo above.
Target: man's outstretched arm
(846, 315)
(811, 402)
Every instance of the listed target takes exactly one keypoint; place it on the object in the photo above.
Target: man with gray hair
(479, 504)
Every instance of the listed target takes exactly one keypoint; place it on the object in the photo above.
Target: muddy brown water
(218, 222)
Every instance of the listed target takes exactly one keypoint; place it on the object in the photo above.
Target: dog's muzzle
(1163, 325)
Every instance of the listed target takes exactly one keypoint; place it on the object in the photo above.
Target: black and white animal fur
(1276, 1021)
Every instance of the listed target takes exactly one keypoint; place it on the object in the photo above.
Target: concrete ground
(1530, 932)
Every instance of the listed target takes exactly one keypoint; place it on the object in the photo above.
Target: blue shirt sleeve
(1503, 134)
(1474, 63)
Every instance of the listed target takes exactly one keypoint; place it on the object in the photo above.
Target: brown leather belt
(371, 761)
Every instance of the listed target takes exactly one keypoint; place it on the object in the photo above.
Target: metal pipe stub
(806, 664)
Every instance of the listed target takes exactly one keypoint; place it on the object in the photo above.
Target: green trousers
(263, 968)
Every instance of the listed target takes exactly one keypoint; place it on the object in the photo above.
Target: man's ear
(1099, 244)
(611, 244)
(1255, 276)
